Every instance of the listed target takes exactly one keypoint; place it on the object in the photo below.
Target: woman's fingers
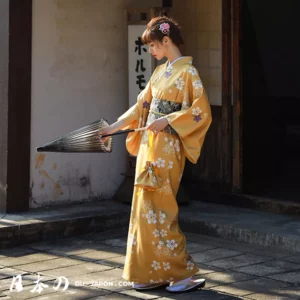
(101, 133)
(152, 126)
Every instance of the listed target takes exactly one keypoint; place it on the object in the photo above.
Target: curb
(31, 232)
(242, 235)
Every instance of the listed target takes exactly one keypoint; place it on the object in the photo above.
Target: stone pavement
(93, 265)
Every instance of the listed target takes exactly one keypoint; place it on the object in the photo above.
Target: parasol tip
(40, 149)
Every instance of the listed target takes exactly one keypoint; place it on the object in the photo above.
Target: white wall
(79, 74)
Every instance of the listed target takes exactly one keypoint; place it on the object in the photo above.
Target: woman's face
(157, 49)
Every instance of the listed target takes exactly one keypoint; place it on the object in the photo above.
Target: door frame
(231, 162)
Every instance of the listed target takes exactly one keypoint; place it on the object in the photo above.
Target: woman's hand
(158, 125)
(106, 130)
(110, 129)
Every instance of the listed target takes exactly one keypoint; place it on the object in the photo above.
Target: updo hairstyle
(153, 31)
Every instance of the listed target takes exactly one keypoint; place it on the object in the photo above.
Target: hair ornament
(165, 28)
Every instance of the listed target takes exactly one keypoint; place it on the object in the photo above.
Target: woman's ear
(165, 40)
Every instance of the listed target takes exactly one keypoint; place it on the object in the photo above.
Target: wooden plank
(236, 98)
(19, 103)
(226, 160)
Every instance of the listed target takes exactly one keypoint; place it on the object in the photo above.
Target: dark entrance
(270, 62)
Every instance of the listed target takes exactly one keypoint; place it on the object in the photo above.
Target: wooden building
(247, 55)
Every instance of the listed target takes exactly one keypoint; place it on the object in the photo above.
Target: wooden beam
(19, 105)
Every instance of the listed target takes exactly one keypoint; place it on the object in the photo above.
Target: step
(242, 225)
(239, 200)
(61, 221)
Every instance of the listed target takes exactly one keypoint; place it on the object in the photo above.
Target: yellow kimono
(156, 247)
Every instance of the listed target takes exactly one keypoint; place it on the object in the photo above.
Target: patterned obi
(160, 108)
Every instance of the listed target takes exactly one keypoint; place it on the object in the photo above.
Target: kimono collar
(182, 61)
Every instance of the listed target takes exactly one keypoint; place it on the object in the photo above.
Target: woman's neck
(173, 54)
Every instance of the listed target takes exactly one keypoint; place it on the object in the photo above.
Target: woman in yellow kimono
(174, 108)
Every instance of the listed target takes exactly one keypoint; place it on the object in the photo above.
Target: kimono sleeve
(192, 122)
(133, 117)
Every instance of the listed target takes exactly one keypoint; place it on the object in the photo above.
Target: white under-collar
(170, 64)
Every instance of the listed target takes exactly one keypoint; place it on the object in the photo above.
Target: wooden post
(226, 161)
(236, 99)
(231, 163)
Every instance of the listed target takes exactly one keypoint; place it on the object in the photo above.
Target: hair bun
(159, 27)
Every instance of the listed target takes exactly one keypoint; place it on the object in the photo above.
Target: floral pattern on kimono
(156, 247)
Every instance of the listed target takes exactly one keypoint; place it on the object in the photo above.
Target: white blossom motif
(197, 84)
(151, 217)
(168, 226)
(179, 83)
(132, 239)
(185, 105)
(166, 188)
(177, 146)
(193, 70)
(155, 265)
(166, 266)
(147, 204)
(168, 148)
(133, 112)
(196, 111)
(190, 265)
(170, 91)
(162, 216)
(160, 163)
(172, 146)
(170, 279)
(163, 233)
(171, 244)
(153, 243)
(155, 281)
(170, 166)
(160, 244)
(156, 233)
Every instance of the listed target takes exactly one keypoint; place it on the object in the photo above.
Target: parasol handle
(124, 131)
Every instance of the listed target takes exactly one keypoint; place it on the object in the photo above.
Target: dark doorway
(270, 61)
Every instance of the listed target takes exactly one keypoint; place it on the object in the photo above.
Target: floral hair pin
(165, 28)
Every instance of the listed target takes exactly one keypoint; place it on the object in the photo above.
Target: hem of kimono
(133, 279)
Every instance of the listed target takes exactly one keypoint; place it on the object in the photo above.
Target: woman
(174, 108)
